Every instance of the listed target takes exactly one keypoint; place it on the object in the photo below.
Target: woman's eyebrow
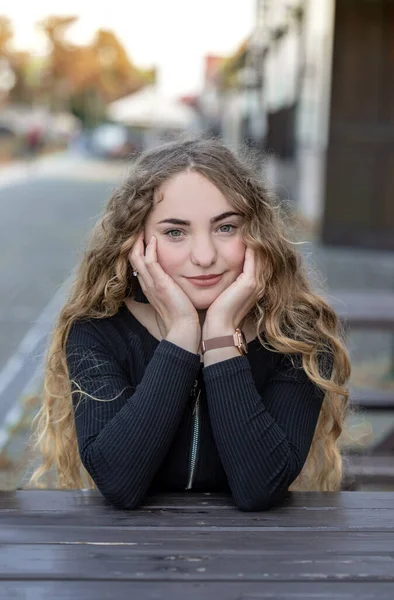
(224, 215)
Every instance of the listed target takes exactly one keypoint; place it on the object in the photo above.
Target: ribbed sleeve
(125, 429)
(263, 439)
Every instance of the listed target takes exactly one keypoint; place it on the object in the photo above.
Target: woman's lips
(206, 282)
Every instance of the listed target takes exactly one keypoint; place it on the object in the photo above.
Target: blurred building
(296, 87)
(314, 86)
(209, 102)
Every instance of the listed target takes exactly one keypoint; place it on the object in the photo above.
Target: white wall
(313, 115)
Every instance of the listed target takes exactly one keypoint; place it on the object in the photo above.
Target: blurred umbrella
(147, 108)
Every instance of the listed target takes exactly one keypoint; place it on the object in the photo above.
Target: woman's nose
(203, 252)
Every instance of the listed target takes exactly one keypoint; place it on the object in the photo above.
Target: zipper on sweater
(195, 438)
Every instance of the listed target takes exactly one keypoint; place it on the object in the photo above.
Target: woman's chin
(203, 303)
(202, 306)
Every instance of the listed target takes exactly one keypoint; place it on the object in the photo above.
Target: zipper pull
(193, 391)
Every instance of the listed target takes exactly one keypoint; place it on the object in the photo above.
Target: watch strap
(224, 341)
(218, 342)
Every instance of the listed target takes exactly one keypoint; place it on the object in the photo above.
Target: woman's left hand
(229, 309)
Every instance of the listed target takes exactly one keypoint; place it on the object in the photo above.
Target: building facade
(328, 87)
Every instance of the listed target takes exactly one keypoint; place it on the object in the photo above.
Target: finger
(255, 268)
(138, 262)
(136, 250)
(249, 271)
(249, 262)
(151, 262)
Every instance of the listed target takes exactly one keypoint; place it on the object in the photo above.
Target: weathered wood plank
(36, 499)
(262, 541)
(311, 511)
(76, 500)
(297, 519)
(157, 590)
(76, 562)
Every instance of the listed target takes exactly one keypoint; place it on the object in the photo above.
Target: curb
(21, 364)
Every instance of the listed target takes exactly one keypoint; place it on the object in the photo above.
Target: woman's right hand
(165, 296)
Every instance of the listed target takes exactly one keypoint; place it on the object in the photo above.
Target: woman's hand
(229, 309)
(164, 295)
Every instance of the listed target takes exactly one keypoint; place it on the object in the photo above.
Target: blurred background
(307, 85)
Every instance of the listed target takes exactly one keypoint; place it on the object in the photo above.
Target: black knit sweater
(249, 433)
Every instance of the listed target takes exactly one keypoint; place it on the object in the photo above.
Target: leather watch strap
(236, 340)
(218, 342)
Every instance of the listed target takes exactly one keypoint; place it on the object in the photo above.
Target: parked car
(113, 141)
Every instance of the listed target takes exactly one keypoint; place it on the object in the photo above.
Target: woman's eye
(232, 227)
(171, 231)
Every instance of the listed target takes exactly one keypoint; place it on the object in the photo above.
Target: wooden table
(71, 544)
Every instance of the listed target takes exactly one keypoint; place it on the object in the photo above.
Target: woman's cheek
(166, 257)
(237, 255)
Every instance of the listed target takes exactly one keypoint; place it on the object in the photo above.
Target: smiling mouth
(205, 280)
(202, 277)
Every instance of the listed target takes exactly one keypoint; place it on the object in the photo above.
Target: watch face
(242, 344)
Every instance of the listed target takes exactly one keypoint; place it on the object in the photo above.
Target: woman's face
(198, 233)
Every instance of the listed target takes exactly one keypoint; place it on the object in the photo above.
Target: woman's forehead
(188, 189)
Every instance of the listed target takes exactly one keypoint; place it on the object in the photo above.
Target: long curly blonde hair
(295, 319)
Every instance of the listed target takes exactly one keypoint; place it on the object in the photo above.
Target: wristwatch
(237, 339)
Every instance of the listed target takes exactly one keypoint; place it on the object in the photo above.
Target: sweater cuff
(175, 352)
(224, 368)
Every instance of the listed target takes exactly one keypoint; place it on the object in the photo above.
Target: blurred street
(47, 214)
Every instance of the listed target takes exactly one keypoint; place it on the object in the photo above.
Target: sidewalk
(66, 164)
(21, 170)
(19, 379)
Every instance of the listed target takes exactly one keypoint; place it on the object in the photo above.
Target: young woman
(192, 353)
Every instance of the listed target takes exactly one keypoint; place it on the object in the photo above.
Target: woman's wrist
(212, 330)
(187, 338)
(216, 355)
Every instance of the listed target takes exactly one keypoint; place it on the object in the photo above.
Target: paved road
(46, 215)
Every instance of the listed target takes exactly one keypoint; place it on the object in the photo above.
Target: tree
(57, 80)
(6, 35)
(87, 77)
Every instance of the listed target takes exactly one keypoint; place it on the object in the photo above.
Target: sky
(172, 34)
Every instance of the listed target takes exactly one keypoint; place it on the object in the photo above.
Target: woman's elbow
(120, 498)
(129, 504)
(112, 490)
(260, 503)
(264, 498)
(115, 493)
